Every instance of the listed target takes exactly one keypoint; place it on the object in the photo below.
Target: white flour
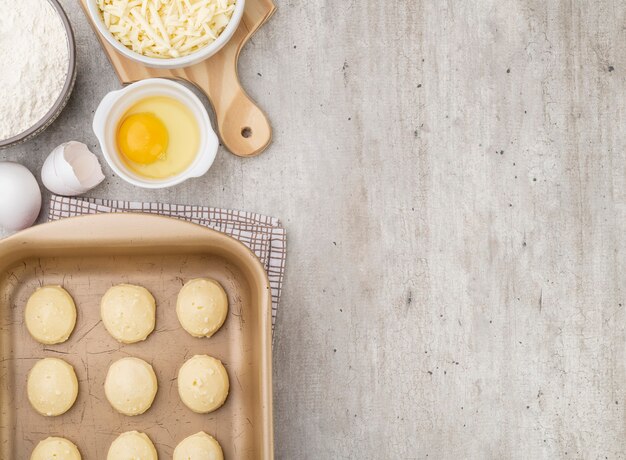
(34, 60)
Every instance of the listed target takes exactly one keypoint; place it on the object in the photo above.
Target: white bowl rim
(169, 63)
(209, 149)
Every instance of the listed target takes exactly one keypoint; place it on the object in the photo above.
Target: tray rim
(58, 234)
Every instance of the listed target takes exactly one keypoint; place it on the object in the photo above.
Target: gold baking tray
(89, 254)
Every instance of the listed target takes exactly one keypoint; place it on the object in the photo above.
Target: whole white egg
(20, 197)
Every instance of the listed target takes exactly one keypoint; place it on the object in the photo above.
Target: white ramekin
(116, 103)
(168, 63)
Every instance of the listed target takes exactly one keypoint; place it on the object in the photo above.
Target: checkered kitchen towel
(262, 234)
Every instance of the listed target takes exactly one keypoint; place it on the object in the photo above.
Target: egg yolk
(142, 138)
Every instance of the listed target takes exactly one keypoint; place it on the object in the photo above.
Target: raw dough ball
(203, 384)
(50, 315)
(132, 445)
(199, 446)
(130, 386)
(56, 448)
(128, 313)
(52, 386)
(201, 307)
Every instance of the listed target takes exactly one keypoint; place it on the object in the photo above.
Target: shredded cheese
(166, 28)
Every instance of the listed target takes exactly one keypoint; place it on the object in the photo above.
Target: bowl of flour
(38, 67)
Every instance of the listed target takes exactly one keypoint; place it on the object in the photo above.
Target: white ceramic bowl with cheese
(168, 63)
(116, 103)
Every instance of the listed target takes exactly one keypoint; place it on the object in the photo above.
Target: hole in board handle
(246, 132)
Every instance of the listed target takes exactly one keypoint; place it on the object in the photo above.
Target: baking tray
(89, 254)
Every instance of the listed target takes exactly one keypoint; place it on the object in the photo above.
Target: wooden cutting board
(242, 126)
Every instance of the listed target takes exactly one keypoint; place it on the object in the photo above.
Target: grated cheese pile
(166, 28)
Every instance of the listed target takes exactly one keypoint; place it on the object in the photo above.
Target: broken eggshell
(71, 169)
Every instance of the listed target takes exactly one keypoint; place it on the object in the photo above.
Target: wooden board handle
(243, 127)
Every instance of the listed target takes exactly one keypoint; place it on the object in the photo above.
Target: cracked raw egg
(142, 138)
(158, 137)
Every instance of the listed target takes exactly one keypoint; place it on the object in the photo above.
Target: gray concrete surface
(452, 177)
